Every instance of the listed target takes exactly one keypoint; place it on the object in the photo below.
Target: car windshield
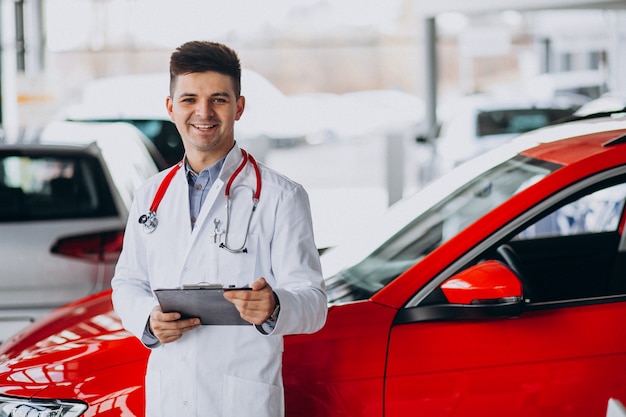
(436, 225)
(516, 121)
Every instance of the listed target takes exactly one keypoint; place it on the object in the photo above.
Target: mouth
(205, 126)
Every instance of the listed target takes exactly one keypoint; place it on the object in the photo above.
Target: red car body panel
(578, 148)
(366, 363)
(343, 364)
(80, 352)
(531, 365)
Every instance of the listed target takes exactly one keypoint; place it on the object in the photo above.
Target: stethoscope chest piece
(149, 221)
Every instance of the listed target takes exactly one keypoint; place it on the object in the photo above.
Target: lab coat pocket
(239, 268)
(244, 398)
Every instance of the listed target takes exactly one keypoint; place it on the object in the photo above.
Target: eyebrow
(218, 94)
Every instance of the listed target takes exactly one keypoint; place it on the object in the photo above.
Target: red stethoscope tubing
(163, 187)
(246, 157)
(149, 220)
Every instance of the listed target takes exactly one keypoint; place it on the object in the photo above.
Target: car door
(563, 352)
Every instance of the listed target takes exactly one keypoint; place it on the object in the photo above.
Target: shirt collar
(213, 170)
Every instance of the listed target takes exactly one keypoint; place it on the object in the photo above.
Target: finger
(256, 310)
(173, 316)
(259, 284)
(187, 324)
(168, 338)
(168, 331)
(258, 287)
(162, 322)
(158, 315)
(177, 325)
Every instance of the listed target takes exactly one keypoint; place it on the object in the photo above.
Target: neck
(201, 160)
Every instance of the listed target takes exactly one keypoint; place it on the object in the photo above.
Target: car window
(596, 212)
(574, 251)
(436, 226)
(572, 254)
(516, 121)
(44, 187)
(165, 137)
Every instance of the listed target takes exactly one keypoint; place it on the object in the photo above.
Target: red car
(498, 290)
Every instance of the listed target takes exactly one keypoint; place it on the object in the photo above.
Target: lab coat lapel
(215, 201)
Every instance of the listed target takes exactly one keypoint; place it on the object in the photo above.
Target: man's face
(204, 109)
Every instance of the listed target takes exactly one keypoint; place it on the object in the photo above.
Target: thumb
(259, 284)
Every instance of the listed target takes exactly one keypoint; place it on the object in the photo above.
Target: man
(217, 370)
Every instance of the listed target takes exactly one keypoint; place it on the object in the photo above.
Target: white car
(609, 102)
(478, 123)
(65, 197)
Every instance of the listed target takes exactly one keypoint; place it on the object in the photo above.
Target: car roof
(612, 101)
(572, 150)
(83, 134)
(571, 129)
(72, 134)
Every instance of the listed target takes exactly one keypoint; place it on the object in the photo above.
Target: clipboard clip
(202, 285)
(212, 286)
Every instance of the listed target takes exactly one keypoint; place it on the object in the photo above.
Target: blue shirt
(199, 185)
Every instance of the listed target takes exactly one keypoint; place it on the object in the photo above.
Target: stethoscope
(150, 221)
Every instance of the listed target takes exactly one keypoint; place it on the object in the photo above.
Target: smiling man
(225, 220)
(205, 106)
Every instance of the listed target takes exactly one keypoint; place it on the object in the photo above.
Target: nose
(204, 108)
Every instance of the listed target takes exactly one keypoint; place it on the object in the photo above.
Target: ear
(168, 105)
(241, 104)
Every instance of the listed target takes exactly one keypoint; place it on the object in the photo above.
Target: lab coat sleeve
(296, 265)
(132, 296)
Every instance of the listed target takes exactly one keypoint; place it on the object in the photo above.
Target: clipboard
(204, 302)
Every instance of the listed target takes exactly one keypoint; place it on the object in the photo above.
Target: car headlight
(24, 407)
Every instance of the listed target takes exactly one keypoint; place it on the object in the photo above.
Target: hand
(254, 306)
(168, 327)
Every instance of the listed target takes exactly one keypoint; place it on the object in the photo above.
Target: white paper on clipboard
(204, 302)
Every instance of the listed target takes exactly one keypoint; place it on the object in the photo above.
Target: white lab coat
(223, 371)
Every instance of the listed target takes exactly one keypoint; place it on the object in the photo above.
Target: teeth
(204, 126)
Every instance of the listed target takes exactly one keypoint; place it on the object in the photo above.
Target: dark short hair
(203, 56)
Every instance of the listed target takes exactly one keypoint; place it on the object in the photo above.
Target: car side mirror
(487, 290)
(489, 282)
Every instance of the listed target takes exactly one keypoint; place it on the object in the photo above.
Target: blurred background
(361, 88)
